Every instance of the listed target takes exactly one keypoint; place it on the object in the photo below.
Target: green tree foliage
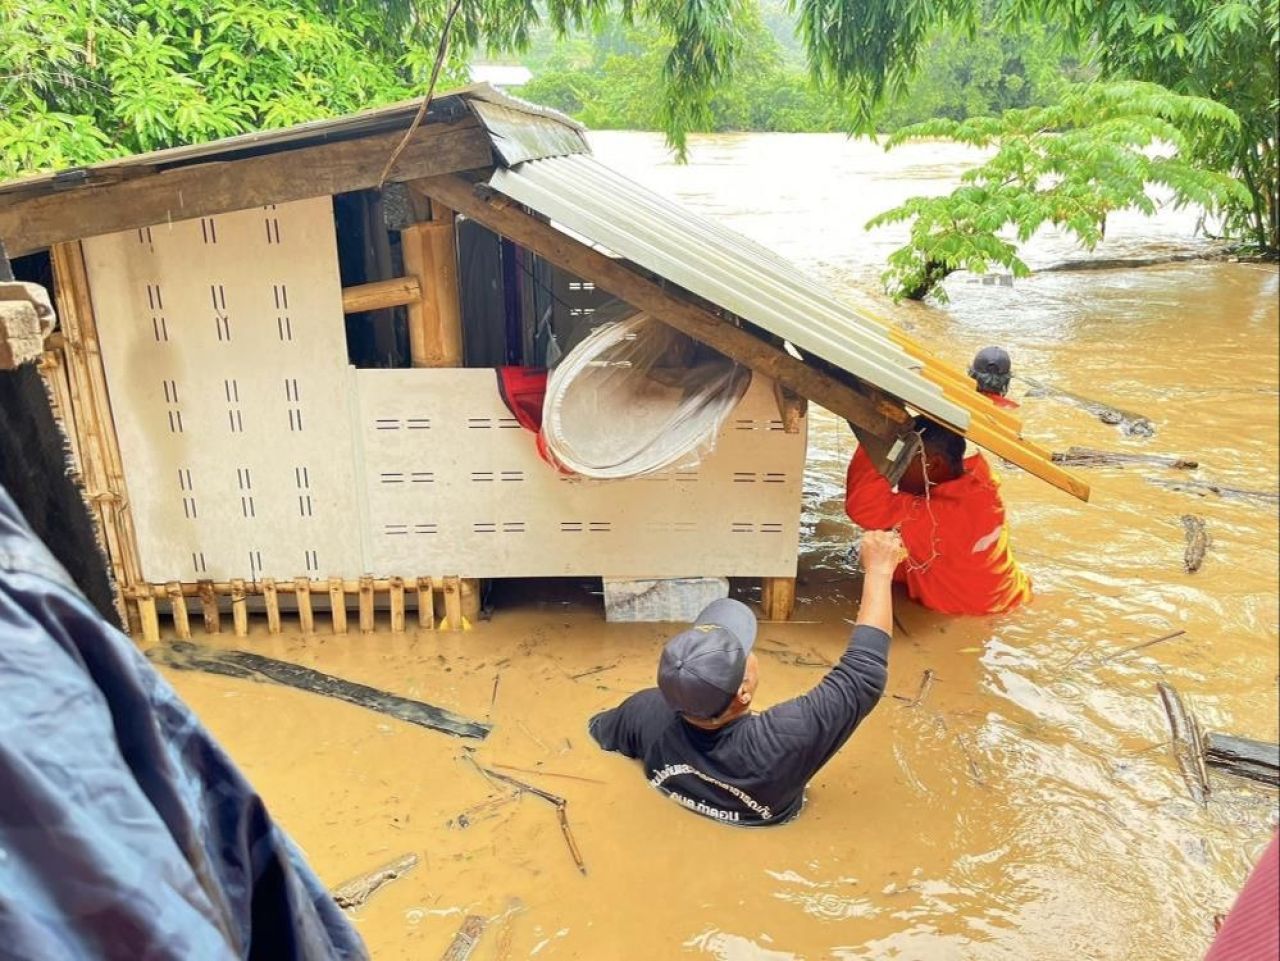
(868, 50)
(1070, 165)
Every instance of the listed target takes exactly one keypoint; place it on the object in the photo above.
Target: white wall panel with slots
(226, 361)
(454, 483)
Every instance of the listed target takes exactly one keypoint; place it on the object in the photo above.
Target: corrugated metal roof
(590, 199)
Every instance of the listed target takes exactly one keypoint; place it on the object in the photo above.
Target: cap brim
(734, 616)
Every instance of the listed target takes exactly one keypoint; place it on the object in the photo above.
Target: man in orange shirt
(948, 509)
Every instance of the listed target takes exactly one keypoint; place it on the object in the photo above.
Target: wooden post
(272, 601)
(178, 608)
(338, 605)
(452, 588)
(426, 604)
(302, 592)
(396, 594)
(149, 620)
(778, 598)
(239, 608)
(366, 604)
(101, 468)
(209, 607)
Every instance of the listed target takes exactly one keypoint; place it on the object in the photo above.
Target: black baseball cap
(991, 360)
(701, 669)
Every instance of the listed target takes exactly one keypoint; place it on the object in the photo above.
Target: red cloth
(959, 561)
(523, 389)
(1001, 401)
(1252, 929)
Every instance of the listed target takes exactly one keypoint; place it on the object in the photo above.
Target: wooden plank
(435, 321)
(381, 294)
(396, 595)
(426, 604)
(880, 415)
(209, 607)
(366, 604)
(271, 600)
(178, 610)
(201, 190)
(338, 605)
(239, 608)
(149, 620)
(1014, 452)
(452, 590)
(302, 593)
(778, 598)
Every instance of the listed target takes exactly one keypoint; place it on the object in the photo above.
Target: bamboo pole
(272, 602)
(397, 604)
(338, 605)
(53, 367)
(380, 295)
(149, 620)
(239, 608)
(101, 473)
(178, 608)
(426, 605)
(302, 589)
(452, 588)
(366, 604)
(209, 606)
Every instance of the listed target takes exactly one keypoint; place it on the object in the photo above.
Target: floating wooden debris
(1198, 542)
(1187, 749)
(562, 811)
(926, 685)
(1091, 457)
(353, 893)
(1130, 423)
(186, 656)
(571, 777)
(465, 941)
(1204, 488)
(1243, 757)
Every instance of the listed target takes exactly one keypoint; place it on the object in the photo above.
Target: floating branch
(1187, 750)
(562, 812)
(1145, 644)
(1243, 757)
(1204, 488)
(1090, 457)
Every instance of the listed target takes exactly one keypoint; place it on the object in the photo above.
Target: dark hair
(942, 440)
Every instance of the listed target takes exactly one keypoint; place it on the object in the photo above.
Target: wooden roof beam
(875, 412)
(203, 190)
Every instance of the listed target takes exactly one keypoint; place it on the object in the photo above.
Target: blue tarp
(125, 831)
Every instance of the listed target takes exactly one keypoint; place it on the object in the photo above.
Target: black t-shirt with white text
(752, 771)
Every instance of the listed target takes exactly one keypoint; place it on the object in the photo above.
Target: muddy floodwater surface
(1028, 808)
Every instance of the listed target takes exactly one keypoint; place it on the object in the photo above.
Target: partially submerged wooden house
(276, 368)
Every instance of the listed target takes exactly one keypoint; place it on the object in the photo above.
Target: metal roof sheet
(707, 259)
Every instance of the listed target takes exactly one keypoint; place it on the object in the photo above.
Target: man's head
(992, 368)
(941, 458)
(708, 672)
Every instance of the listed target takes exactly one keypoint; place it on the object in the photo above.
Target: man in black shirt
(696, 735)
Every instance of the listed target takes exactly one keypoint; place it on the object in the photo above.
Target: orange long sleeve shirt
(959, 560)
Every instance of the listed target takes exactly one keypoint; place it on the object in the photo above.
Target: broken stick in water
(1204, 488)
(1187, 750)
(1198, 542)
(465, 941)
(562, 812)
(926, 685)
(353, 893)
(526, 770)
(1145, 644)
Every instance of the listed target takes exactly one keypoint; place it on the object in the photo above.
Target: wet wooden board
(249, 666)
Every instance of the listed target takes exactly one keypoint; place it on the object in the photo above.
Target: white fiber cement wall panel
(455, 484)
(226, 360)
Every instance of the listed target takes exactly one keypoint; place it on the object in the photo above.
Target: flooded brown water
(1028, 809)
